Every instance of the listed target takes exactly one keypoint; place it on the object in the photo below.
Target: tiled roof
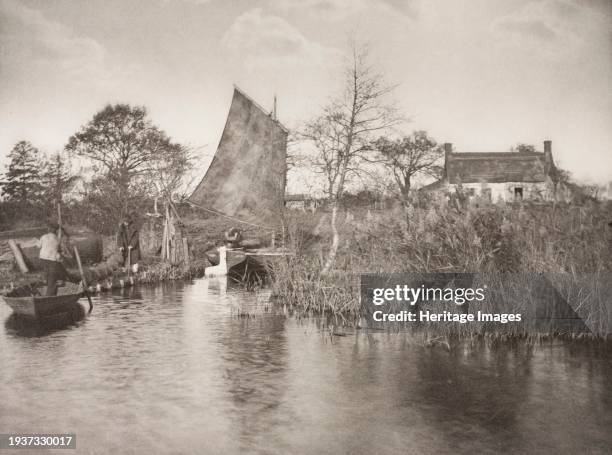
(497, 167)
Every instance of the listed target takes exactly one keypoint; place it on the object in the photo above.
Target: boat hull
(245, 265)
(38, 307)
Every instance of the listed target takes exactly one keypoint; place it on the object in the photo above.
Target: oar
(129, 262)
(83, 280)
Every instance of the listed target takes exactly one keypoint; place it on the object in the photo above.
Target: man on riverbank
(129, 243)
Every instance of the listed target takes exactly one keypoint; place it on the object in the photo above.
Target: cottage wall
(508, 191)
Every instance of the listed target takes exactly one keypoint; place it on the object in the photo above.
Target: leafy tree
(132, 153)
(523, 148)
(22, 181)
(563, 176)
(364, 197)
(343, 133)
(408, 157)
(103, 203)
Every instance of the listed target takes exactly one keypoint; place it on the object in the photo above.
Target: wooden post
(283, 227)
(186, 252)
(18, 254)
(164, 250)
(167, 250)
(129, 262)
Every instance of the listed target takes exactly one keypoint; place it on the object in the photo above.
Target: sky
(481, 74)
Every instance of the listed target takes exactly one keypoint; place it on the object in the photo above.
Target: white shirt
(49, 247)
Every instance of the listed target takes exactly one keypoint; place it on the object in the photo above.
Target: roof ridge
(534, 153)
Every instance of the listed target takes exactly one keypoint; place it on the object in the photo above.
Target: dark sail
(246, 178)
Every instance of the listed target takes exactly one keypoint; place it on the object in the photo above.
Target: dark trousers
(53, 271)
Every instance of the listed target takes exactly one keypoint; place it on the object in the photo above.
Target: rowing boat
(30, 302)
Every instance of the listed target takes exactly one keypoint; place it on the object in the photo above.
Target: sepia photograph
(306, 227)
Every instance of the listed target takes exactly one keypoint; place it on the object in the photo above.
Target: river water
(181, 369)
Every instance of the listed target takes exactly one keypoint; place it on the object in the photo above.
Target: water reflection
(28, 327)
(189, 369)
(462, 387)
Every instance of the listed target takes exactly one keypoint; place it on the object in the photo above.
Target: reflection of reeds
(571, 241)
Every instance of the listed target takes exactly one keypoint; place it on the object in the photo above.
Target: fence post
(186, 252)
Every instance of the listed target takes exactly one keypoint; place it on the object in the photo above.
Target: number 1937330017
(43, 441)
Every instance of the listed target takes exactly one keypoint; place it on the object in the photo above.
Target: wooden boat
(246, 265)
(248, 245)
(37, 306)
(245, 182)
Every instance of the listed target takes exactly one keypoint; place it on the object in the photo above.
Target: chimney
(274, 108)
(448, 150)
(548, 152)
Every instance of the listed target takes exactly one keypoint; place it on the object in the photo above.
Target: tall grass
(492, 239)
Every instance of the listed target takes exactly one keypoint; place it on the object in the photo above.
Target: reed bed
(572, 244)
(156, 272)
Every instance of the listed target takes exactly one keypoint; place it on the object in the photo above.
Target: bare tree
(408, 157)
(343, 133)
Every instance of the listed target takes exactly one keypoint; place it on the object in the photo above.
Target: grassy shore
(573, 243)
(151, 272)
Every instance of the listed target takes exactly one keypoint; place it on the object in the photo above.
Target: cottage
(496, 177)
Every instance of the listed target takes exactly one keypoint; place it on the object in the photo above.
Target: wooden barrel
(89, 245)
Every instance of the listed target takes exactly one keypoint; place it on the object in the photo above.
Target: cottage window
(518, 193)
(486, 194)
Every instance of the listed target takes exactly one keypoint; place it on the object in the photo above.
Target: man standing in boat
(129, 243)
(51, 258)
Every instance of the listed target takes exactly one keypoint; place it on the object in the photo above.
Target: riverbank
(152, 271)
(494, 242)
(573, 243)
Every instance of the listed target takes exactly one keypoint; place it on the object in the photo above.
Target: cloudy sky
(482, 74)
